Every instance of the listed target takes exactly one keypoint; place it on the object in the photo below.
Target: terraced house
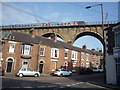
(44, 55)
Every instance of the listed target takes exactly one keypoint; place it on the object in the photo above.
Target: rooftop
(30, 39)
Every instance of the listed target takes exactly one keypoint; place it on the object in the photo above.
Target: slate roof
(29, 39)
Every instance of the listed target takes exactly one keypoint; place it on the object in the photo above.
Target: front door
(41, 66)
(9, 66)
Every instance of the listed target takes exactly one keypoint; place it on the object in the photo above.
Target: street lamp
(102, 12)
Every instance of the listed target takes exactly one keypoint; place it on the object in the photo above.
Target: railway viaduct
(68, 34)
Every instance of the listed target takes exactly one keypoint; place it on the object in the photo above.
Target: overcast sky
(40, 12)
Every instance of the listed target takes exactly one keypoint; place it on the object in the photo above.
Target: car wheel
(70, 74)
(36, 75)
(61, 75)
(20, 75)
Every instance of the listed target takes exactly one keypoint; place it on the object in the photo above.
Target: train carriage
(72, 23)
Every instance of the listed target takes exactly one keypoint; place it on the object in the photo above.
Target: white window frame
(66, 54)
(87, 57)
(54, 53)
(82, 55)
(42, 51)
(11, 48)
(74, 55)
(26, 49)
(96, 58)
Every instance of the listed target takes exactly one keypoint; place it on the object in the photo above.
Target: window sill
(26, 56)
(42, 55)
(66, 58)
(55, 57)
(10, 53)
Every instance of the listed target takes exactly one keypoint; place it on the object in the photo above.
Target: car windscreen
(28, 69)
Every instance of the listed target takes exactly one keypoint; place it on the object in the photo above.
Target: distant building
(113, 54)
(44, 55)
(116, 51)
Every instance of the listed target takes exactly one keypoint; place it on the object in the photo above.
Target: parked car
(62, 72)
(27, 72)
(86, 71)
(1, 71)
(97, 70)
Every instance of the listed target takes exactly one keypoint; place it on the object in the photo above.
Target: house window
(96, 58)
(82, 56)
(54, 53)
(11, 47)
(26, 49)
(42, 51)
(74, 55)
(66, 53)
(25, 63)
(87, 57)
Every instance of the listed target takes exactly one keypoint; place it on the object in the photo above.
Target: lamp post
(102, 12)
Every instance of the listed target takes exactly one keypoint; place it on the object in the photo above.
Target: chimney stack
(70, 42)
(54, 37)
(32, 32)
(84, 46)
(100, 51)
(93, 49)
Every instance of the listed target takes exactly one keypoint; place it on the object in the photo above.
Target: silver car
(27, 72)
(62, 72)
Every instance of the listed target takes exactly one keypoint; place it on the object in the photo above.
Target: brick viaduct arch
(91, 34)
(71, 34)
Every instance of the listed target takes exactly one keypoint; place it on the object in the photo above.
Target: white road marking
(96, 85)
(68, 85)
(77, 83)
(73, 84)
(87, 83)
(41, 86)
(14, 87)
(27, 87)
(52, 86)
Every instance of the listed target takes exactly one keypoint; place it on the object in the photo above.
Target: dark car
(1, 71)
(86, 71)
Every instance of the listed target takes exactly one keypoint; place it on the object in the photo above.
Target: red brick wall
(35, 59)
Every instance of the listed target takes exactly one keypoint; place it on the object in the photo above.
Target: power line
(29, 13)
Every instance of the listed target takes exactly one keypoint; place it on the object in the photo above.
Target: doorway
(9, 65)
(41, 67)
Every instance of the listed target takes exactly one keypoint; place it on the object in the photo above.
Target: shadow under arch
(90, 34)
(50, 34)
